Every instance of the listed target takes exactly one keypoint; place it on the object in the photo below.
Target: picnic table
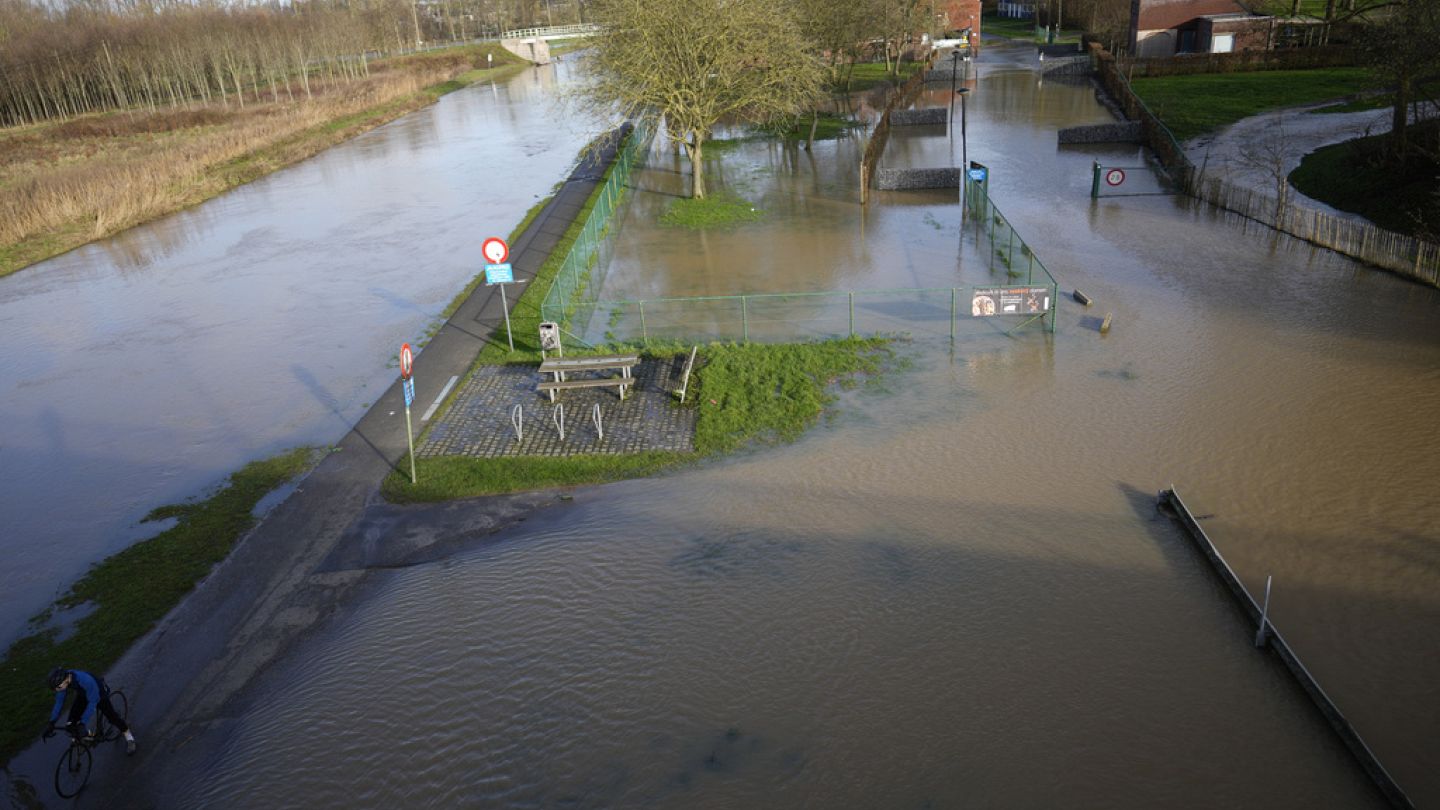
(559, 366)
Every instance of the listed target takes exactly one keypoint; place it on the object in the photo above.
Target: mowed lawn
(1195, 105)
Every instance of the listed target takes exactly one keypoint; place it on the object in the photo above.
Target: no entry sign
(495, 250)
(407, 361)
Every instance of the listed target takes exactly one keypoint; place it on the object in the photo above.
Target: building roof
(1158, 15)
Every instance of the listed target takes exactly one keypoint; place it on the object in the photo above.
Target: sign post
(498, 271)
(407, 383)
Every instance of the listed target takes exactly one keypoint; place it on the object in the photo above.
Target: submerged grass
(130, 591)
(828, 127)
(744, 394)
(1201, 103)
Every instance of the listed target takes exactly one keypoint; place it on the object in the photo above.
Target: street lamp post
(964, 151)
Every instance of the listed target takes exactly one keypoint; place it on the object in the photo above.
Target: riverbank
(121, 598)
(67, 183)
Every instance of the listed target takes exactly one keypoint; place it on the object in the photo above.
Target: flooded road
(143, 369)
(957, 592)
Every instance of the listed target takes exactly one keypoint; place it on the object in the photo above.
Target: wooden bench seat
(551, 386)
(559, 366)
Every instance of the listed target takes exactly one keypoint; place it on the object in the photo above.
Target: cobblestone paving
(478, 420)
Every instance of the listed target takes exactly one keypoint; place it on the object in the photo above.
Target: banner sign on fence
(1010, 301)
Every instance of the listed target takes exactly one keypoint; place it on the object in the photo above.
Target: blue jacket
(86, 682)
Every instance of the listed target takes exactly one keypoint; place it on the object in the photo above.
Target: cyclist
(90, 693)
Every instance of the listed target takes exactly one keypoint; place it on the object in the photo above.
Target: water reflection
(144, 368)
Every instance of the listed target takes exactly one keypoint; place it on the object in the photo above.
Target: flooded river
(957, 592)
(143, 369)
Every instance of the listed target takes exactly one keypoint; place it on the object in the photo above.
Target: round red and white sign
(407, 361)
(495, 250)
(1115, 177)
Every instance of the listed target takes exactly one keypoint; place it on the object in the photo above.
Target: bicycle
(73, 769)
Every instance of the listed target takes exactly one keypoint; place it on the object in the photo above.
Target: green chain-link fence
(1026, 294)
(581, 275)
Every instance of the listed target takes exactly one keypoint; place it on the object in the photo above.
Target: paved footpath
(186, 678)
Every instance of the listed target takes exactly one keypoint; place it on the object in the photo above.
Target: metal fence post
(644, 332)
(952, 313)
(852, 313)
(745, 318)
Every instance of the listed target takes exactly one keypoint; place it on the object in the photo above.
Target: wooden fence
(1396, 252)
(1240, 61)
(1405, 255)
(875, 147)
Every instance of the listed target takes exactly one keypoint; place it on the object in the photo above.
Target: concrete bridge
(534, 43)
(553, 32)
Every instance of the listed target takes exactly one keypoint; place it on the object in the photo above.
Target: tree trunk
(814, 124)
(694, 149)
(1399, 119)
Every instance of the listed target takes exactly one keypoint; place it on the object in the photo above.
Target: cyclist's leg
(108, 709)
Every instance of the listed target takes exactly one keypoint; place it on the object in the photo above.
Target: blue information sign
(978, 175)
(499, 274)
(409, 387)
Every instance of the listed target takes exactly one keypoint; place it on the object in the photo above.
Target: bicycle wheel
(122, 708)
(73, 770)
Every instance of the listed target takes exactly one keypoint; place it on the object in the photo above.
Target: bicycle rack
(599, 428)
(517, 418)
(557, 415)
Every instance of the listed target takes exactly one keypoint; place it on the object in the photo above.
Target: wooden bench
(552, 386)
(560, 365)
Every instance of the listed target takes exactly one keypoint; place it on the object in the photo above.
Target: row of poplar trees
(84, 56)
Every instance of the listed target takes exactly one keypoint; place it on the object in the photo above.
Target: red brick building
(1168, 27)
(957, 15)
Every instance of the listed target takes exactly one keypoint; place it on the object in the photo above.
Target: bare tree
(1270, 155)
(1401, 49)
(691, 65)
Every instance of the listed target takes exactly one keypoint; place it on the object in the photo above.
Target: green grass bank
(744, 394)
(1197, 104)
(129, 592)
(1356, 176)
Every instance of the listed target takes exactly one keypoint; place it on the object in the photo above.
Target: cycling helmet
(56, 677)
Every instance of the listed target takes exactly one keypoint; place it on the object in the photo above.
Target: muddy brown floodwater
(957, 592)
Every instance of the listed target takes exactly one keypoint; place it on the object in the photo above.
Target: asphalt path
(1247, 152)
(187, 678)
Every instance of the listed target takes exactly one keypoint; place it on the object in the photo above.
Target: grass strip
(1201, 103)
(865, 75)
(460, 297)
(745, 394)
(131, 591)
(1024, 29)
(1374, 101)
(828, 127)
(715, 211)
(525, 315)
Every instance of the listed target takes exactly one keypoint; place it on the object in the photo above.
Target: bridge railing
(553, 32)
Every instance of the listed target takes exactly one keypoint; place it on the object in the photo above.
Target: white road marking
(438, 399)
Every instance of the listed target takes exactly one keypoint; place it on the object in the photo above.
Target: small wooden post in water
(1261, 636)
